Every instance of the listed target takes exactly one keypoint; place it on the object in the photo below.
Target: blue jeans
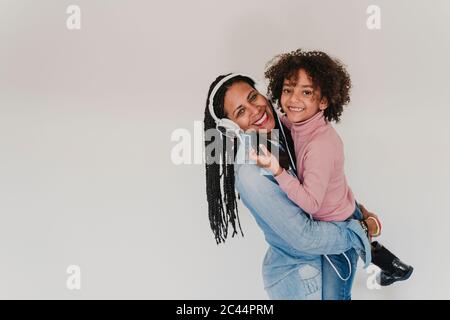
(335, 287)
(316, 278)
(339, 286)
(304, 282)
(292, 267)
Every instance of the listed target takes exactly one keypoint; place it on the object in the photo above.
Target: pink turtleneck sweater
(321, 188)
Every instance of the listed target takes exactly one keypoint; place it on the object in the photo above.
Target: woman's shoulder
(249, 175)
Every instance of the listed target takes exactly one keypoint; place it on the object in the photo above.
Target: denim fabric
(335, 287)
(296, 242)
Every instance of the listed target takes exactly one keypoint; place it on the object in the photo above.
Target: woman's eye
(307, 92)
(253, 97)
(240, 113)
(286, 91)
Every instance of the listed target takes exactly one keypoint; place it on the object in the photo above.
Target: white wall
(86, 117)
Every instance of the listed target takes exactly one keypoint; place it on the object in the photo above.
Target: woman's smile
(248, 108)
(262, 120)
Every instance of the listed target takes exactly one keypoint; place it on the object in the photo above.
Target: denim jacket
(293, 236)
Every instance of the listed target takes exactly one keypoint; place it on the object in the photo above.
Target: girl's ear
(323, 103)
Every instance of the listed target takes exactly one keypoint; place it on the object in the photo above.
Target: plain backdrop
(86, 118)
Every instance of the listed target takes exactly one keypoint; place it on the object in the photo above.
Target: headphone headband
(214, 92)
(227, 124)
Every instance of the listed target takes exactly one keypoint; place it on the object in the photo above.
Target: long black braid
(222, 203)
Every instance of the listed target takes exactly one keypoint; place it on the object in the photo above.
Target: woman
(293, 266)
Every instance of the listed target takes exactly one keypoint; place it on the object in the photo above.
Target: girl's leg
(338, 271)
(339, 286)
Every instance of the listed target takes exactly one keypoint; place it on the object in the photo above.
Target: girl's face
(248, 108)
(299, 99)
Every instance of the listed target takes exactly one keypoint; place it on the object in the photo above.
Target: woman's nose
(254, 109)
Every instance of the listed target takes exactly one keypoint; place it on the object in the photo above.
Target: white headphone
(224, 125)
(227, 126)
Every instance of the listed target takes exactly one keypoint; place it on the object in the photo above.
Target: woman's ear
(323, 103)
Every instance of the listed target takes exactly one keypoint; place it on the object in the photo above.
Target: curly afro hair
(326, 73)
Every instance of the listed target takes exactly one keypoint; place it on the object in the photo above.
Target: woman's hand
(266, 160)
(372, 221)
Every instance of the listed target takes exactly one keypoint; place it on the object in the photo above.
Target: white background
(86, 117)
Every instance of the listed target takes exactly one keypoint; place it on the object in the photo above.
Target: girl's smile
(300, 99)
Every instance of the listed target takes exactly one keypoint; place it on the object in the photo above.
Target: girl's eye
(286, 90)
(240, 112)
(307, 92)
(253, 97)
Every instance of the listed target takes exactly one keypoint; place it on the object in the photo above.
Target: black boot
(392, 268)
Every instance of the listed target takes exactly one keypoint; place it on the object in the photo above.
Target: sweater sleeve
(318, 166)
(263, 197)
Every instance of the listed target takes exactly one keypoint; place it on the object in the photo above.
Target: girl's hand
(266, 160)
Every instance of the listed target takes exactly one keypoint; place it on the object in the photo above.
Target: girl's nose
(295, 96)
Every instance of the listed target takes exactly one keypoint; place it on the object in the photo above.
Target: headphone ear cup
(225, 125)
(279, 107)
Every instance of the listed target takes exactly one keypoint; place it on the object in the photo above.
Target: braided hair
(222, 203)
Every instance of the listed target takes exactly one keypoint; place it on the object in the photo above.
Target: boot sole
(406, 277)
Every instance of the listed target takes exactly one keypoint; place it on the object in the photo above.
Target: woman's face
(248, 108)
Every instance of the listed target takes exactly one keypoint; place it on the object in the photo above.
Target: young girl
(312, 89)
